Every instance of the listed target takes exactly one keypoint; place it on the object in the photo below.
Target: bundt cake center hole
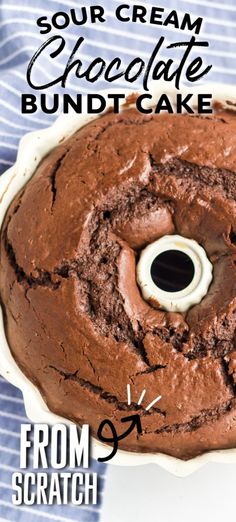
(172, 270)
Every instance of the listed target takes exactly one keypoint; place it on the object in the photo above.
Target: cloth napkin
(19, 39)
(12, 415)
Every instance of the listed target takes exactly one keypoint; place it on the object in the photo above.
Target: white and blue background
(126, 494)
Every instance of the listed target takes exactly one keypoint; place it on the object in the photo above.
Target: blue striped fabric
(19, 39)
(12, 414)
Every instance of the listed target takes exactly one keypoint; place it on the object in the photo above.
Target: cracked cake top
(75, 320)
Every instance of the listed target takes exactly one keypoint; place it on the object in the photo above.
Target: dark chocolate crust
(75, 319)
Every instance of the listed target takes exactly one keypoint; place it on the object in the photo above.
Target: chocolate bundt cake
(75, 318)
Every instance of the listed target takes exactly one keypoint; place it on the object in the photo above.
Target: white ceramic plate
(33, 147)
